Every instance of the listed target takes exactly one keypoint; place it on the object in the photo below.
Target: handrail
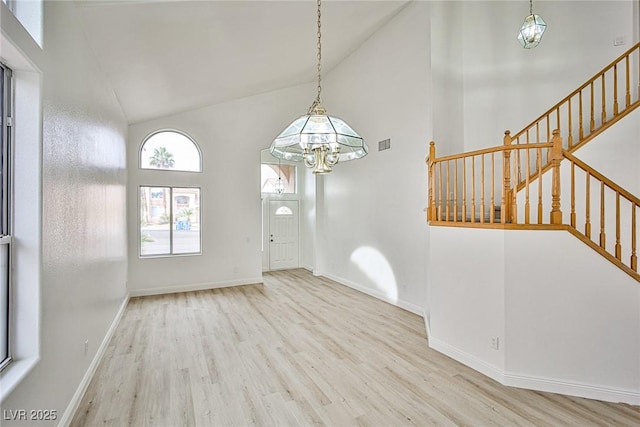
(599, 201)
(587, 111)
(494, 150)
(609, 183)
(577, 91)
(622, 223)
(471, 195)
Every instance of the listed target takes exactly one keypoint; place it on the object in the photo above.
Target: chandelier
(532, 29)
(320, 140)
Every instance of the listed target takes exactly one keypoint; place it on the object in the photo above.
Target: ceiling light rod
(318, 101)
(532, 29)
(316, 138)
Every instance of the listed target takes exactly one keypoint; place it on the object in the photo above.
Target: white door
(283, 234)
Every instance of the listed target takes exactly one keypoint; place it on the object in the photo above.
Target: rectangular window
(5, 211)
(169, 221)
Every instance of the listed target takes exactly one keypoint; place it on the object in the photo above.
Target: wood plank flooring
(302, 351)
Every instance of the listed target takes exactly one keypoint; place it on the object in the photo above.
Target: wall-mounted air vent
(384, 145)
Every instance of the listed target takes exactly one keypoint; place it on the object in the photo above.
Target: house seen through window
(169, 221)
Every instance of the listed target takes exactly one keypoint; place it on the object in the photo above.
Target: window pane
(270, 174)
(3, 153)
(4, 301)
(170, 150)
(186, 220)
(155, 221)
(284, 210)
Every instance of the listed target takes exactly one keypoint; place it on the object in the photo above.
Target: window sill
(14, 374)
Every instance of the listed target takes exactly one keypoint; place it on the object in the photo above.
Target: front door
(283, 234)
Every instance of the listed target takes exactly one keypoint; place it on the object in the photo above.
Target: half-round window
(284, 210)
(170, 150)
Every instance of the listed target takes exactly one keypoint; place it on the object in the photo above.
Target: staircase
(518, 185)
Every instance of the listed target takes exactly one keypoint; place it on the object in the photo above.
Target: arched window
(284, 210)
(169, 216)
(170, 150)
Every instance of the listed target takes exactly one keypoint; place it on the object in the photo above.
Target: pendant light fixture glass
(532, 29)
(320, 140)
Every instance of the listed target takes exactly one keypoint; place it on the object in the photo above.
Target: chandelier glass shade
(320, 140)
(532, 29)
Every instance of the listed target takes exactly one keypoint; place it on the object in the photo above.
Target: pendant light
(279, 185)
(532, 29)
(320, 140)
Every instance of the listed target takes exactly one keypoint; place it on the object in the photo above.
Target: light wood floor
(299, 351)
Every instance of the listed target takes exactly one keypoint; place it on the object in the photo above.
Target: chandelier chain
(318, 98)
(530, 7)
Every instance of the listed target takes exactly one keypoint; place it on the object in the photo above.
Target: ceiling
(165, 57)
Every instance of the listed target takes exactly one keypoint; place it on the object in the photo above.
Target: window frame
(156, 132)
(171, 222)
(6, 141)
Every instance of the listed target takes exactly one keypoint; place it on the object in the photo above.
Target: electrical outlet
(86, 347)
(495, 343)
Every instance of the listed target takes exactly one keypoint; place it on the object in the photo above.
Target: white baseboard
(308, 267)
(195, 287)
(467, 359)
(551, 385)
(413, 308)
(572, 389)
(427, 326)
(69, 413)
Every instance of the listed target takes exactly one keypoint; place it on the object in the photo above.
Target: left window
(169, 215)
(169, 221)
(5, 214)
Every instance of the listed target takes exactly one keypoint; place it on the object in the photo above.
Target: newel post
(556, 158)
(431, 209)
(505, 203)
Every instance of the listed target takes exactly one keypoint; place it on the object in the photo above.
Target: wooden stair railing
(586, 112)
(469, 190)
(608, 206)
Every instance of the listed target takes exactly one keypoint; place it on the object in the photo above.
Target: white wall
(372, 232)
(84, 254)
(567, 319)
(447, 76)
(615, 153)
(230, 136)
(572, 319)
(466, 296)
(308, 221)
(506, 86)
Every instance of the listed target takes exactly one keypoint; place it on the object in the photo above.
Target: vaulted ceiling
(165, 57)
